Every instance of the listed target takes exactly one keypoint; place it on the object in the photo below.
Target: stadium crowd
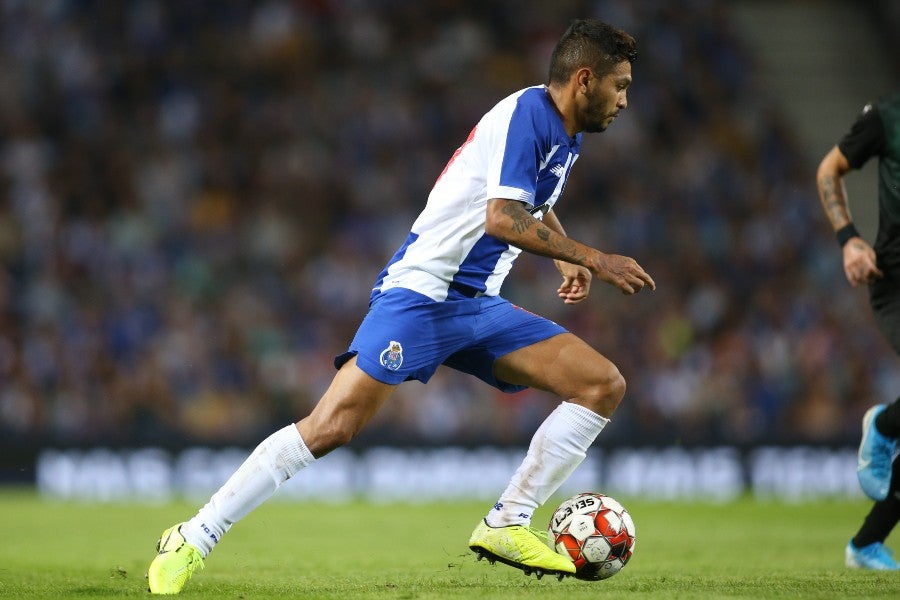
(196, 197)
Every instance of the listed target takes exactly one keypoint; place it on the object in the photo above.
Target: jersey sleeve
(865, 138)
(514, 170)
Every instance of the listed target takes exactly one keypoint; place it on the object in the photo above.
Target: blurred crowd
(196, 198)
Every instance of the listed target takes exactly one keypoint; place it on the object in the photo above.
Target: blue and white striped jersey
(519, 150)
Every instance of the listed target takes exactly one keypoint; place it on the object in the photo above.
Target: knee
(605, 391)
(613, 384)
(335, 437)
(323, 437)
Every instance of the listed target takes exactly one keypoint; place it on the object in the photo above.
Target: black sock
(888, 421)
(884, 514)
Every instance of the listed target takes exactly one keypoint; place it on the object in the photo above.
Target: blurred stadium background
(195, 198)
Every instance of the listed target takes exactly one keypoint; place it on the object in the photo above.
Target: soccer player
(876, 132)
(437, 303)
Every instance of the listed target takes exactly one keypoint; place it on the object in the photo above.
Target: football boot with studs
(521, 548)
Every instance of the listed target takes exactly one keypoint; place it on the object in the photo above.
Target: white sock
(274, 461)
(558, 446)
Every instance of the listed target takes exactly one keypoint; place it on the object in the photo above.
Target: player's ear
(582, 76)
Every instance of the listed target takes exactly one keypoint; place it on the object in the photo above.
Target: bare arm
(832, 192)
(860, 265)
(509, 221)
(576, 283)
(552, 221)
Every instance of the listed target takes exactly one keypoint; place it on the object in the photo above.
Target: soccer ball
(596, 532)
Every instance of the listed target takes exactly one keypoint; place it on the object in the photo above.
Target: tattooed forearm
(522, 229)
(522, 220)
(833, 200)
(569, 250)
(560, 247)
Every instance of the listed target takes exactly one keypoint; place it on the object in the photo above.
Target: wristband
(846, 233)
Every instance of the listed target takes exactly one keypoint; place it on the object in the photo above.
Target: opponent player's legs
(866, 550)
(881, 423)
(593, 387)
(877, 470)
(348, 404)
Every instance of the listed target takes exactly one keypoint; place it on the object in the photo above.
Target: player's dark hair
(590, 43)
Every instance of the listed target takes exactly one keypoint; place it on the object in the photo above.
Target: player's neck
(561, 102)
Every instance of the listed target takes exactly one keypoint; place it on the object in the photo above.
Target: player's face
(605, 97)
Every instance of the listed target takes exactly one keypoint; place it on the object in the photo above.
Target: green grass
(744, 549)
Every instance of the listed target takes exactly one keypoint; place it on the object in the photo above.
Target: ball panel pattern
(596, 532)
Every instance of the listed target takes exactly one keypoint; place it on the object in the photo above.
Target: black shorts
(884, 297)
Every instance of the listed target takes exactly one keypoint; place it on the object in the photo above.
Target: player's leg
(591, 387)
(348, 404)
(888, 420)
(876, 449)
(881, 423)
(515, 349)
(568, 367)
(402, 337)
(867, 550)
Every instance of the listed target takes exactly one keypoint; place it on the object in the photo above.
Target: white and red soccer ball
(596, 532)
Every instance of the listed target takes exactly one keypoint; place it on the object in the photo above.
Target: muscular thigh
(563, 364)
(500, 329)
(348, 404)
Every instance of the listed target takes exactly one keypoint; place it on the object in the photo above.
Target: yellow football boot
(176, 562)
(519, 547)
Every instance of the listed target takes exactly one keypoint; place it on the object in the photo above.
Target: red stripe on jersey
(458, 150)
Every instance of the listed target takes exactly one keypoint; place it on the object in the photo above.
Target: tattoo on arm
(568, 250)
(555, 245)
(522, 220)
(833, 200)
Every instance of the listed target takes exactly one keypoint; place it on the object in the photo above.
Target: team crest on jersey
(392, 356)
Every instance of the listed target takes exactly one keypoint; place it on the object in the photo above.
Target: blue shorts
(407, 335)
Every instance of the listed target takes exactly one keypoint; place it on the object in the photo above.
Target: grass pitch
(744, 549)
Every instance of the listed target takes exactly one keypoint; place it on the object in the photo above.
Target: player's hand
(859, 263)
(576, 284)
(623, 272)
